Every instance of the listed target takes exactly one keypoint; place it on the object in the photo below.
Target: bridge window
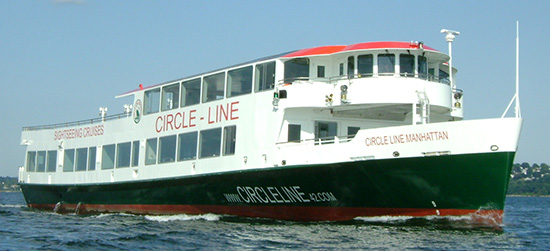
(294, 132)
(135, 153)
(265, 77)
(229, 138)
(151, 151)
(52, 161)
(152, 101)
(123, 152)
(187, 146)
(365, 65)
(213, 87)
(68, 160)
(406, 65)
(422, 67)
(190, 92)
(31, 161)
(297, 69)
(108, 157)
(167, 149)
(239, 81)
(81, 159)
(325, 130)
(91, 158)
(41, 161)
(386, 64)
(210, 141)
(170, 97)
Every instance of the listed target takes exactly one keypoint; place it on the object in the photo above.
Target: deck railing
(321, 141)
(334, 79)
(77, 123)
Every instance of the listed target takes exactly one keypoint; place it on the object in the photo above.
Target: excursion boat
(328, 133)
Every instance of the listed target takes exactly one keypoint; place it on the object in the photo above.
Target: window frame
(210, 143)
(165, 105)
(211, 84)
(165, 154)
(192, 95)
(106, 151)
(262, 80)
(242, 76)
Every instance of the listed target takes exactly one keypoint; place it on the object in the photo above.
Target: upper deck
(331, 65)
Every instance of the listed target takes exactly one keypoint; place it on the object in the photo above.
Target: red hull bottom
(292, 213)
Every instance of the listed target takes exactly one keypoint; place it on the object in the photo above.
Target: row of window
(157, 151)
(214, 87)
(298, 68)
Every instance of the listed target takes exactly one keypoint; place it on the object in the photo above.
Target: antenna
(451, 35)
(516, 96)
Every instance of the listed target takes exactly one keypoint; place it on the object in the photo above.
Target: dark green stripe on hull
(465, 182)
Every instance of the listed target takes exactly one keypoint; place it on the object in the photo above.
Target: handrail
(324, 140)
(76, 123)
(423, 76)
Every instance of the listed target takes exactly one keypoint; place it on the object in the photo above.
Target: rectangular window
(264, 78)
(365, 65)
(170, 97)
(239, 81)
(108, 157)
(91, 158)
(190, 92)
(325, 131)
(187, 146)
(41, 161)
(406, 65)
(210, 141)
(151, 151)
(52, 161)
(213, 87)
(386, 64)
(294, 132)
(229, 138)
(422, 67)
(152, 101)
(123, 153)
(341, 69)
(68, 160)
(351, 67)
(135, 153)
(320, 71)
(31, 161)
(296, 69)
(81, 159)
(167, 149)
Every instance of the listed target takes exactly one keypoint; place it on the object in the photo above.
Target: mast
(451, 34)
(516, 96)
(518, 111)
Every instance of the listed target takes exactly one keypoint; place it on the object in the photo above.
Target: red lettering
(176, 124)
(234, 110)
(169, 120)
(191, 118)
(223, 112)
(161, 124)
(209, 121)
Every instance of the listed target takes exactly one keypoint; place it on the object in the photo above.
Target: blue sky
(60, 60)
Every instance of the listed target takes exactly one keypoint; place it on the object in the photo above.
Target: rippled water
(526, 226)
